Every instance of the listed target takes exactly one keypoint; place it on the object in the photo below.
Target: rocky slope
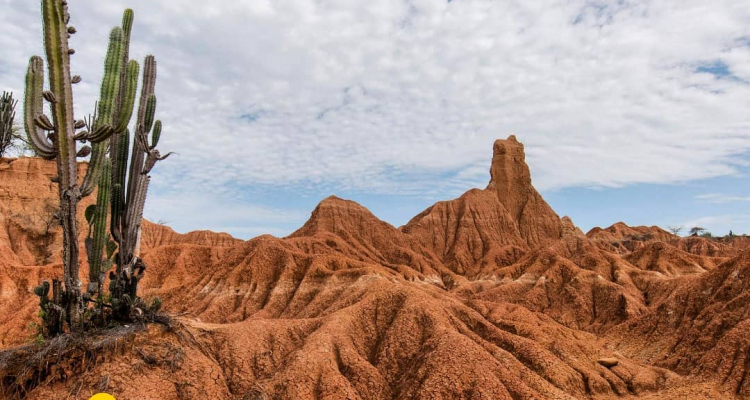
(490, 295)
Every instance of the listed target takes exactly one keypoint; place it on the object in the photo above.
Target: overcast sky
(630, 110)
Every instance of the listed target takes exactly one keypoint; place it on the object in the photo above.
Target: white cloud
(718, 198)
(390, 96)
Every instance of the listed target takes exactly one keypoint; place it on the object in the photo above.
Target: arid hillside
(488, 296)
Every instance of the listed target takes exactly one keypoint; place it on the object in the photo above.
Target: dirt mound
(737, 242)
(705, 247)
(572, 281)
(490, 295)
(469, 233)
(621, 231)
(622, 238)
(156, 235)
(702, 327)
(670, 260)
(345, 228)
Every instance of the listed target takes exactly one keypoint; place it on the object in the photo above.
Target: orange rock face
(488, 296)
(29, 231)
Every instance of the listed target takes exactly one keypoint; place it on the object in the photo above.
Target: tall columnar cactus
(56, 139)
(114, 109)
(107, 132)
(7, 115)
(129, 195)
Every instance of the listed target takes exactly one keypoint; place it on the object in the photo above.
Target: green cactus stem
(99, 236)
(33, 107)
(54, 20)
(156, 134)
(105, 114)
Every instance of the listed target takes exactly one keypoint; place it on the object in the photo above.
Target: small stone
(609, 362)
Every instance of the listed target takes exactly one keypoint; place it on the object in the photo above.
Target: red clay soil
(488, 296)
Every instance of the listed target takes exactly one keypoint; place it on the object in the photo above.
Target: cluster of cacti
(7, 115)
(107, 131)
(127, 185)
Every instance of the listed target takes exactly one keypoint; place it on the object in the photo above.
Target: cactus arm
(33, 106)
(149, 81)
(100, 134)
(127, 28)
(105, 113)
(127, 97)
(119, 157)
(135, 214)
(111, 83)
(156, 134)
(122, 118)
(130, 222)
(150, 112)
(120, 141)
(136, 180)
(139, 150)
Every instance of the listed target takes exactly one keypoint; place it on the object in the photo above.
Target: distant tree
(697, 231)
(706, 234)
(731, 233)
(19, 144)
(675, 229)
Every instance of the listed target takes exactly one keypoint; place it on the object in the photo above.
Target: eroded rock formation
(490, 295)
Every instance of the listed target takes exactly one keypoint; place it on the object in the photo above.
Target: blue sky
(717, 204)
(632, 111)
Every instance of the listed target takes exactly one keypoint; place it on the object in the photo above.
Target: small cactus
(7, 115)
(42, 290)
(155, 305)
